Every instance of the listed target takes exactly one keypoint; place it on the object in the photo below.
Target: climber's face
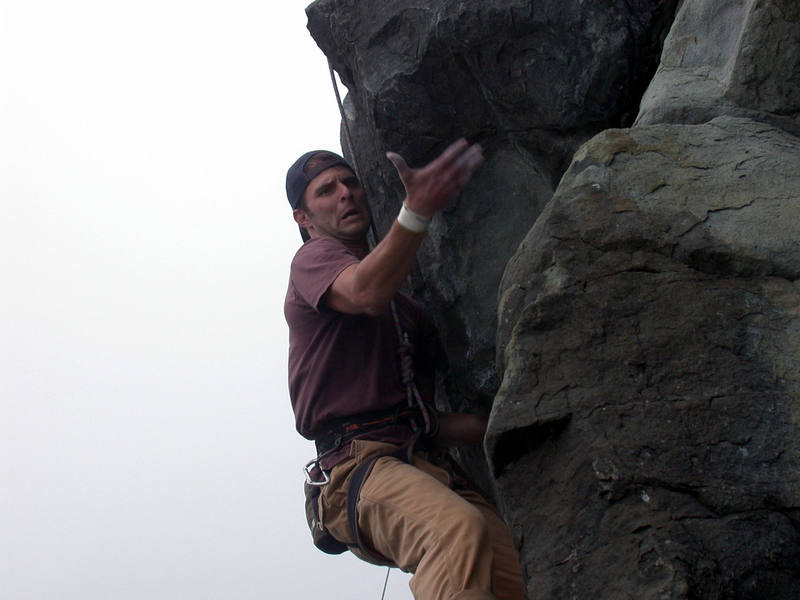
(334, 206)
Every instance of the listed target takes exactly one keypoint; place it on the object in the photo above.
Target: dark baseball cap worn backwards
(297, 179)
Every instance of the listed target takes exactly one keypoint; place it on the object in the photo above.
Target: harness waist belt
(345, 429)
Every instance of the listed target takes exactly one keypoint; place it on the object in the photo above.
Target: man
(369, 411)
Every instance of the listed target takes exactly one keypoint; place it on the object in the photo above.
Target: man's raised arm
(369, 286)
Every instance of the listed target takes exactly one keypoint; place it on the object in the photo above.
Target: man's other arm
(461, 429)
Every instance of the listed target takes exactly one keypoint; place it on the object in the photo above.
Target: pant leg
(416, 520)
(506, 572)
(456, 543)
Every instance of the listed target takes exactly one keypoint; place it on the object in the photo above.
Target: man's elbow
(376, 310)
(364, 302)
(372, 304)
(354, 292)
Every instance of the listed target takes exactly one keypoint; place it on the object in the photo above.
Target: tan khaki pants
(453, 541)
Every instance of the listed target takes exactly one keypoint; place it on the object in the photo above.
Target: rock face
(651, 357)
(644, 440)
(733, 57)
(529, 81)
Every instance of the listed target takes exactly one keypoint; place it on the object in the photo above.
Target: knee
(470, 526)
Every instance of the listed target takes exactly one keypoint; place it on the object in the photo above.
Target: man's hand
(434, 186)
(461, 429)
(369, 286)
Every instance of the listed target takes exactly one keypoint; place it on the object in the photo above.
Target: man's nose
(344, 191)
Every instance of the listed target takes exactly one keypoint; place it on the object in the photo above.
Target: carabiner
(310, 466)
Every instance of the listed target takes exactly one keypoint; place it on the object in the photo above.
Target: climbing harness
(321, 537)
(341, 431)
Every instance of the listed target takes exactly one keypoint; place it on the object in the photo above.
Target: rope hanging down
(406, 352)
(348, 138)
(385, 583)
(406, 349)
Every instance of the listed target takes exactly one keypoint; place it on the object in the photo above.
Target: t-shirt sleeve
(316, 266)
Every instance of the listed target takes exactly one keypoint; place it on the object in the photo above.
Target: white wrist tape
(412, 221)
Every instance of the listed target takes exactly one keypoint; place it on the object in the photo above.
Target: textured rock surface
(650, 325)
(644, 439)
(733, 57)
(528, 80)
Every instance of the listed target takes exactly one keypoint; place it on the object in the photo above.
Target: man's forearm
(369, 286)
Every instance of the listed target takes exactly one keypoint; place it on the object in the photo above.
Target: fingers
(399, 163)
(463, 166)
(459, 155)
(433, 186)
(451, 153)
(460, 160)
(471, 158)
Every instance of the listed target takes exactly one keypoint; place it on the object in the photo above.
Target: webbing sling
(323, 540)
(357, 480)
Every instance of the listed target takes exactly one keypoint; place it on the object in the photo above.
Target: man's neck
(358, 246)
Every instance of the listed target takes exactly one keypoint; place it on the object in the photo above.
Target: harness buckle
(309, 467)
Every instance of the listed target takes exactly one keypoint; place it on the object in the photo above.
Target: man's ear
(301, 217)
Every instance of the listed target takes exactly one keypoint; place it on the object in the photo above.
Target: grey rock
(643, 440)
(733, 57)
(528, 80)
(649, 346)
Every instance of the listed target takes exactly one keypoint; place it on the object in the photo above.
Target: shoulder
(316, 246)
(322, 249)
(315, 267)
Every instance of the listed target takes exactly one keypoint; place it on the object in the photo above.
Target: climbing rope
(349, 139)
(406, 348)
(406, 354)
(385, 583)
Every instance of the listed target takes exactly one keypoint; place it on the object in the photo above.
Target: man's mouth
(350, 213)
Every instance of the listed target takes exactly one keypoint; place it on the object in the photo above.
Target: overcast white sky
(147, 446)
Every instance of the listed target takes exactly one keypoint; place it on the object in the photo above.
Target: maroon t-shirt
(342, 365)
